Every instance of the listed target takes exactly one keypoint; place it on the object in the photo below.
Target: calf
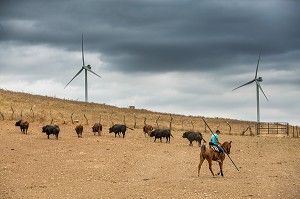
(23, 126)
(97, 128)
(147, 129)
(79, 130)
(51, 129)
(193, 136)
(119, 128)
(160, 133)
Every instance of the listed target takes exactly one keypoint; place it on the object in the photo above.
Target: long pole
(220, 146)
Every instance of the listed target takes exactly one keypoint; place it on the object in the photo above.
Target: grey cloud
(203, 48)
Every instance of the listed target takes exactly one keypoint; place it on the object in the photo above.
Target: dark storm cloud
(140, 36)
(188, 54)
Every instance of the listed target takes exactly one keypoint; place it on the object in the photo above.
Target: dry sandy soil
(32, 166)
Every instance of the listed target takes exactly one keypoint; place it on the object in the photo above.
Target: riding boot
(219, 158)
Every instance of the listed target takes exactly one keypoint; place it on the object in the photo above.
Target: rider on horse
(215, 142)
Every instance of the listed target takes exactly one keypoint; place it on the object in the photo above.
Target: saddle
(213, 147)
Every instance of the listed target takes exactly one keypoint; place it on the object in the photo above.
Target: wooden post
(192, 124)
(157, 121)
(112, 123)
(51, 116)
(134, 117)
(87, 121)
(72, 118)
(31, 110)
(171, 119)
(13, 112)
(229, 127)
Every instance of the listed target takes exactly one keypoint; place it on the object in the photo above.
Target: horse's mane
(226, 145)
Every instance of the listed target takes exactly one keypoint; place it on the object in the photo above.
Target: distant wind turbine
(256, 80)
(86, 68)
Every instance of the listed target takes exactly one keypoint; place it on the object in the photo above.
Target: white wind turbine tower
(256, 80)
(85, 68)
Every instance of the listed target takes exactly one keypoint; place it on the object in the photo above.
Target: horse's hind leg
(200, 164)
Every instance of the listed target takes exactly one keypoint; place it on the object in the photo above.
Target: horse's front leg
(221, 169)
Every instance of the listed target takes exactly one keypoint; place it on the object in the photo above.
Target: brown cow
(79, 130)
(23, 126)
(97, 128)
(147, 129)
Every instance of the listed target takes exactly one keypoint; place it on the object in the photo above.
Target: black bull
(119, 128)
(160, 133)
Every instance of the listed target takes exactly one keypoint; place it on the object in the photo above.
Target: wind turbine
(86, 68)
(256, 80)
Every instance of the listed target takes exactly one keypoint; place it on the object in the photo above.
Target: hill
(43, 109)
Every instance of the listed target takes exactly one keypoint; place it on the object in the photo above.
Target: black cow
(160, 133)
(119, 128)
(97, 128)
(79, 130)
(23, 126)
(193, 136)
(51, 129)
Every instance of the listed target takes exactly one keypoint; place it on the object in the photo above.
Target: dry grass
(35, 108)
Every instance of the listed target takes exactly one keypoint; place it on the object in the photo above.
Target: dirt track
(135, 167)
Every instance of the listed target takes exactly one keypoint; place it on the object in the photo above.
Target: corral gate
(273, 128)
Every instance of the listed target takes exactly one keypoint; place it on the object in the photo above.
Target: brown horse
(210, 155)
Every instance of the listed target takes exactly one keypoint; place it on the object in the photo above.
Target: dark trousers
(220, 148)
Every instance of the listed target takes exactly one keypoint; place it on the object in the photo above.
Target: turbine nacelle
(259, 79)
(89, 66)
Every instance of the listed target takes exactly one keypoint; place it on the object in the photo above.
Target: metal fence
(278, 128)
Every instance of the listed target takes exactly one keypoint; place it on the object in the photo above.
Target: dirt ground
(32, 166)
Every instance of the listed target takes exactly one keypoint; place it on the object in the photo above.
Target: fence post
(287, 128)
(293, 131)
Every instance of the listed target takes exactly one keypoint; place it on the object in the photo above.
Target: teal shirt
(214, 138)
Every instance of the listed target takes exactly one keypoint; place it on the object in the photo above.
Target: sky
(170, 56)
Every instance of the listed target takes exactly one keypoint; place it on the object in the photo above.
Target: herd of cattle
(117, 129)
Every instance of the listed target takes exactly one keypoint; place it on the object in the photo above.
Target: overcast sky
(170, 56)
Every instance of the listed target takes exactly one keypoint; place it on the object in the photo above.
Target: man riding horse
(215, 142)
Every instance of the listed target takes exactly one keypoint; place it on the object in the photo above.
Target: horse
(210, 155)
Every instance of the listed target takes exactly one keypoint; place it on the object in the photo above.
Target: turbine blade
(244, 84)
(74, 77)
(258, 84)
(91, 71)
(257, 64)
(82, 50)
